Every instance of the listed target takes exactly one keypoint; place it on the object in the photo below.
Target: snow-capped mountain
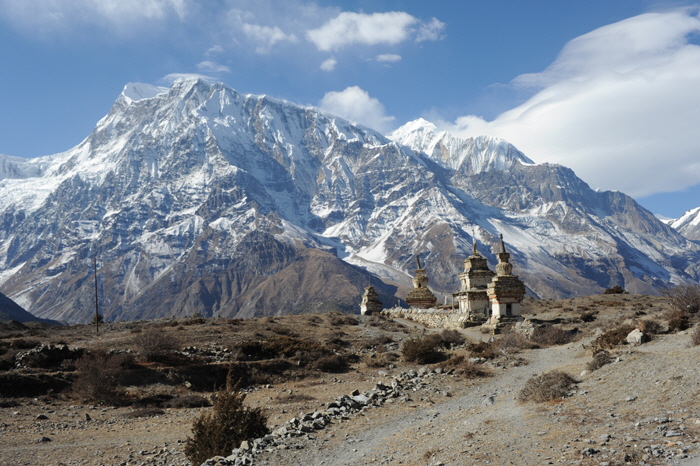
(689, 224)
(201, 199)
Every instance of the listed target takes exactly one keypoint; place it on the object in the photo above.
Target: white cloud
(356, 105)
(329, 65)
(172, 77)
(350, 28)
(208, 66)
(388, 58)
(265, 36)
(214, 49)
(122, 16)
(620, 105)
(431, 30)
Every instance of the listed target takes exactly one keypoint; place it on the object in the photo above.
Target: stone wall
(436, 318)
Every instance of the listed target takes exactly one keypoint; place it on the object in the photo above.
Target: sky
(608, 88)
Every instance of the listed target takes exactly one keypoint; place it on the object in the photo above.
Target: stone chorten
(370, 302)
(472, 297)
(506, 291)
(420, 296)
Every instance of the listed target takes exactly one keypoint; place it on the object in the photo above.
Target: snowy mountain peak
(688, 224)
(469, 156)
(133, 92)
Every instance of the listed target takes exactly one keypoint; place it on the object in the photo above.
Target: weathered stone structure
(370, 302)
(420, 296)
(472, 297)
(485, 298)
(506, 291)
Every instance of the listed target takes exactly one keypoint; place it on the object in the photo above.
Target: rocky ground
(640, 409)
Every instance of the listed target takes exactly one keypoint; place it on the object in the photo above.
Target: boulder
(637, 337)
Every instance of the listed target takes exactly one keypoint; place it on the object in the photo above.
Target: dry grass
(550, 386)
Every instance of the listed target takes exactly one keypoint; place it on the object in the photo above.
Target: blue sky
(608, 88)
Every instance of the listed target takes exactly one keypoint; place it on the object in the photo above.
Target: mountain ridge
(203, 195)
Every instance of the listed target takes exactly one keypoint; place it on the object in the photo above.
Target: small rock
(44, 439)
(42, 417)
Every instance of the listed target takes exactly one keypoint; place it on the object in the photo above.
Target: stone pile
(46, 356)
(341, 409)
(212, 352)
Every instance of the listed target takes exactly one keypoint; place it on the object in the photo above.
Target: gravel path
(617, 416)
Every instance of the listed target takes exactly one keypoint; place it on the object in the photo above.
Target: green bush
(223, 428)
(549, 386)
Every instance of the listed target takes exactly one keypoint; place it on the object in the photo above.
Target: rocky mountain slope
(689, 224)
(10, 310)
(201, 199)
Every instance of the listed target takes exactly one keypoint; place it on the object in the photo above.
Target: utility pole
(97, 307)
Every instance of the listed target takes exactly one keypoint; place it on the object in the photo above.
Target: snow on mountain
(201, 199)
(468, 156)
(689, 224)
(133, 92)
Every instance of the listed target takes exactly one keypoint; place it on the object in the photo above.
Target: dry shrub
(379, 359)
(144, 412)
(99, 376)
(464, 367)
(611, 338)
(338, 319)
(600, 358)
(677, 320)
(512, 342)
(695, 336)
(549, 335)
(650, 327)
(294, 398)
(223, 428)
(334, 363)
(282, 346)
(482, 349)
(422, 350)
(22, 343)
(376, 341)
(549, 386)
(187, 401)
(154, 343)
(617, 289)
(451, 338)
(684, 298)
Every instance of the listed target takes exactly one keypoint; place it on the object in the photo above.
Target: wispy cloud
(329, 65)
(388, 58)
(355, 104)
(349, 28)
(172, 77)
(620, 105)
(121, 16)
(432, 30)
(266, 37)
(208, 66)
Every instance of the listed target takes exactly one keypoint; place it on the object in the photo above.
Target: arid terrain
(633, 404)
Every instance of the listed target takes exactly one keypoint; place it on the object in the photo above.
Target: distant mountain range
(199, 199)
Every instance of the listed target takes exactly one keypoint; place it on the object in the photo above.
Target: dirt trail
(487, 425)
